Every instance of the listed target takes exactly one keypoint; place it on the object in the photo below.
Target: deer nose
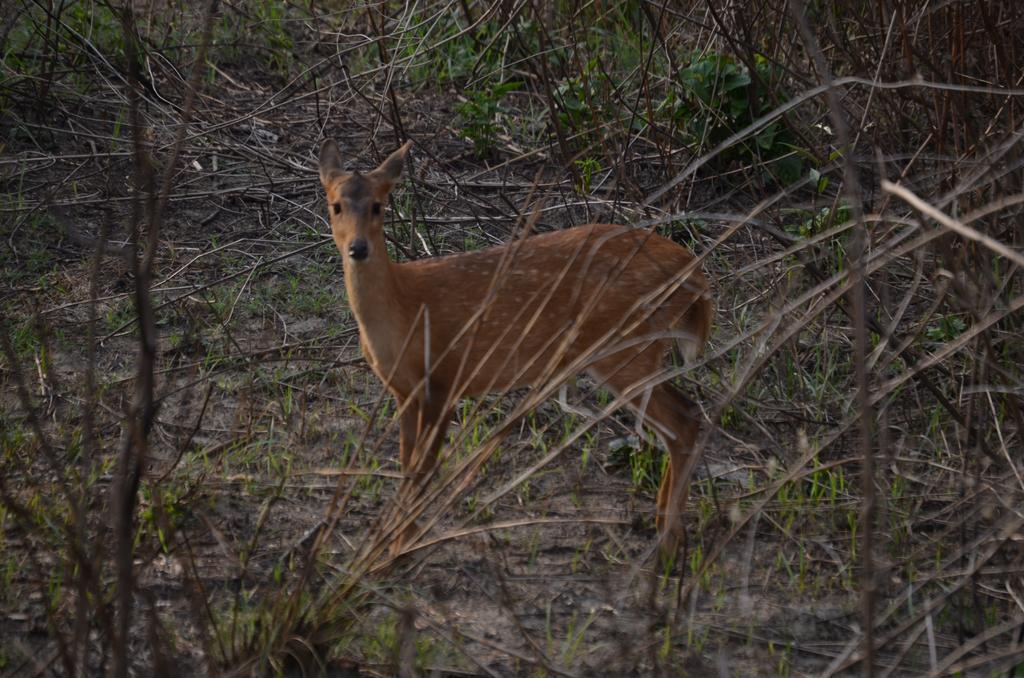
(358, 249)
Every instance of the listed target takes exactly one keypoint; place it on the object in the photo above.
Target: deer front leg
(408, 425)
(421, 433)
(408, 432)
(422, 430)
(434, 416)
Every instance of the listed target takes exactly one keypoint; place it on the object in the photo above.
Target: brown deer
(603, 299)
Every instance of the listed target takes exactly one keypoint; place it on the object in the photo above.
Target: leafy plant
(481, 113)
(446, 50)
(588, 167)
(574, 95)
(947, 328)
(646, 462)
(822, 220)
(716, 97)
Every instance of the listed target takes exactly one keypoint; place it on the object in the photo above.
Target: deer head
(355, 202)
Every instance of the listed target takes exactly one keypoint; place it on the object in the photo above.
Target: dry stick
(185, 195)
(362, 560)
(994, 158)
(895, 662)
(843, 662)
(948, 666)
(91, 448)
(763, 354)
(461, 532)
(472, 465)
(536, 397)
(1002, 441)
(952, 224)
(995, 538)
(851, 186)
(469, 468)
(128, 464)
(897, 317)
(1012, 655)
(219, 281)
(132, 457)
(396, 518)
(392, 518)
(813, 93)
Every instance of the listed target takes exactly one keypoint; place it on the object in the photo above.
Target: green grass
(381, 644)
(605, 99)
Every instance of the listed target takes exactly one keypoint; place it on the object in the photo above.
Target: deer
(602, 299)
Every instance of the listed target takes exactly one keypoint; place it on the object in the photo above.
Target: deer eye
(376, 208)
(336, 207)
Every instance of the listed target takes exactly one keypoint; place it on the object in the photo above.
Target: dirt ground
(269, 421)
(248, 445)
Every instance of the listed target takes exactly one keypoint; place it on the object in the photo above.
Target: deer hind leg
(670, 409)
(672, 416)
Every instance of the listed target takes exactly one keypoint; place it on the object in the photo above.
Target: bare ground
(267, 413)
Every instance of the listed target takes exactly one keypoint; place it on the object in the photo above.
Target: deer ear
(330, 162)
(391, 169)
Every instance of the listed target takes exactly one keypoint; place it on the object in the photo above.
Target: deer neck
(376, 296)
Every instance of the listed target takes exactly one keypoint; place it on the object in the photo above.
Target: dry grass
(198, 468)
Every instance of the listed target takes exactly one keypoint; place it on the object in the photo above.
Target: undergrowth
(858, 468)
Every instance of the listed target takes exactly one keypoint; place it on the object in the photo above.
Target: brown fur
(605, 299)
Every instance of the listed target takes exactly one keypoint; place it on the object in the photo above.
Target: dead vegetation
(197, 467)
